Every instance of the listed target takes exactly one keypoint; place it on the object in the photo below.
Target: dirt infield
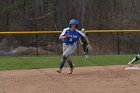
(102, 79)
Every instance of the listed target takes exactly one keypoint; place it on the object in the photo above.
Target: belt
(68, 44)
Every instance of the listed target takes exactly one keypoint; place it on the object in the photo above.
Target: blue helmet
(73, 22)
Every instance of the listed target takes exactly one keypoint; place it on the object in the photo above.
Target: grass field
(30, 62)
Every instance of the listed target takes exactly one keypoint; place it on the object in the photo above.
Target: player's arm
(88, 42)
(80, 41)
(85, 35)
(63, 35)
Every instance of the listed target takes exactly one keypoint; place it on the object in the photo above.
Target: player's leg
(132, 62)
(72, 66)
(70, 50)
(63, 60)
(85, 49)
(69, 62)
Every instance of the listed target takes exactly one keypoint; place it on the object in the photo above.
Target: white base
(132, 68)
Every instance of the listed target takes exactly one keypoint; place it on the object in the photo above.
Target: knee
(69, 61)
(64, 56)
(63, 60)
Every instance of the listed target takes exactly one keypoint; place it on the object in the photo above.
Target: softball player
(69, 36)
(84, 43)
(132, 62)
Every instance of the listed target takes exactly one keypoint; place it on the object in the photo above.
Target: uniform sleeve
(81, 34)
(63, 32)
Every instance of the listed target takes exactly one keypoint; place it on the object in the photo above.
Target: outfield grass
(29, 62)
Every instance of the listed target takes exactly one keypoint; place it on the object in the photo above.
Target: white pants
(68, 50)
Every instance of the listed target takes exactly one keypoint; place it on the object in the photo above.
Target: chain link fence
(49, 44)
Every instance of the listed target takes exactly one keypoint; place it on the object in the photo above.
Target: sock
(61, 65)
(70, 63)
(62, 62)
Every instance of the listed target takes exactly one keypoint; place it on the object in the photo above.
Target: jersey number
(70, 39)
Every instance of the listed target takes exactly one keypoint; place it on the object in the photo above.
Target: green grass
(29, 62)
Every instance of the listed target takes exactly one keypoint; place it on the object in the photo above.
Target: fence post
(118, 34)
(37, 44)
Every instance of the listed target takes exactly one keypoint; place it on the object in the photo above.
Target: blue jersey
(72, 35)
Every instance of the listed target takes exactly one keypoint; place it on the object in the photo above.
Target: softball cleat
(58, 70)
(71, 69)
(130, 64)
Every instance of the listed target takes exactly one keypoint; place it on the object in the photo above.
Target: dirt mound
(30, 51)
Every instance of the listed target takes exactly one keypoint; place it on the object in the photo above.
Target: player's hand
(67, 35)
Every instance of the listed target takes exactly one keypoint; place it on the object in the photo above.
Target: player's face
(73, 27)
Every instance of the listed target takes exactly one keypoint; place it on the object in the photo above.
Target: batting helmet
(73, 22)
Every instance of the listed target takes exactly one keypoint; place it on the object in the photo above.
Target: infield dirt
(96, 79)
